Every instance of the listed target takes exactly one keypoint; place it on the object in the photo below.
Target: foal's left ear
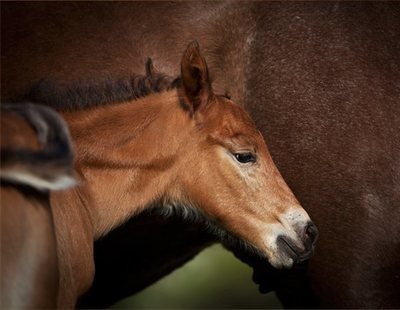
(195, 78)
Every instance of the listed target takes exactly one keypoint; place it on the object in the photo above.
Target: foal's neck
(126, 155)
(126, 159)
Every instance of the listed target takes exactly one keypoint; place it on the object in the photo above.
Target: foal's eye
(245, 157)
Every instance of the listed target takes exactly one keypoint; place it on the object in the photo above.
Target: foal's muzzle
(308, 235)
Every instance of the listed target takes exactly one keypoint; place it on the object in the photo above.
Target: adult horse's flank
(36, 156)
(182, 148)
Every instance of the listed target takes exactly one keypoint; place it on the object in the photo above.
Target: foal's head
(228, 175)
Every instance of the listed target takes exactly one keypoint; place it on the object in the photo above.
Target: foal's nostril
(311, 233)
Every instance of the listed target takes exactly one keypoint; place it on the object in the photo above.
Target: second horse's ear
(195, 79)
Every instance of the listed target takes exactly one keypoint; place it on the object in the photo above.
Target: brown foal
(185, 148)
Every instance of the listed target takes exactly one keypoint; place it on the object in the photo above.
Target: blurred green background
(214, 279)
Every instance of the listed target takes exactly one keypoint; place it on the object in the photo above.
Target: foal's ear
(195, 78)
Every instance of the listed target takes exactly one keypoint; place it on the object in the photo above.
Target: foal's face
(237, 184)
(230, 175)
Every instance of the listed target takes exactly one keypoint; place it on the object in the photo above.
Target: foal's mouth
(287, 246)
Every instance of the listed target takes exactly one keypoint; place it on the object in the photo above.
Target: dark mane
(85, 94)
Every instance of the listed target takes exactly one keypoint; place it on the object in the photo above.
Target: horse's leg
(36, 156)
(28, 250)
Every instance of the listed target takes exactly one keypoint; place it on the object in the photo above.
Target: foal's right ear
(195, 78)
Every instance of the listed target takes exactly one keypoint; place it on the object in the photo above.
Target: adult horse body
(319, 78)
